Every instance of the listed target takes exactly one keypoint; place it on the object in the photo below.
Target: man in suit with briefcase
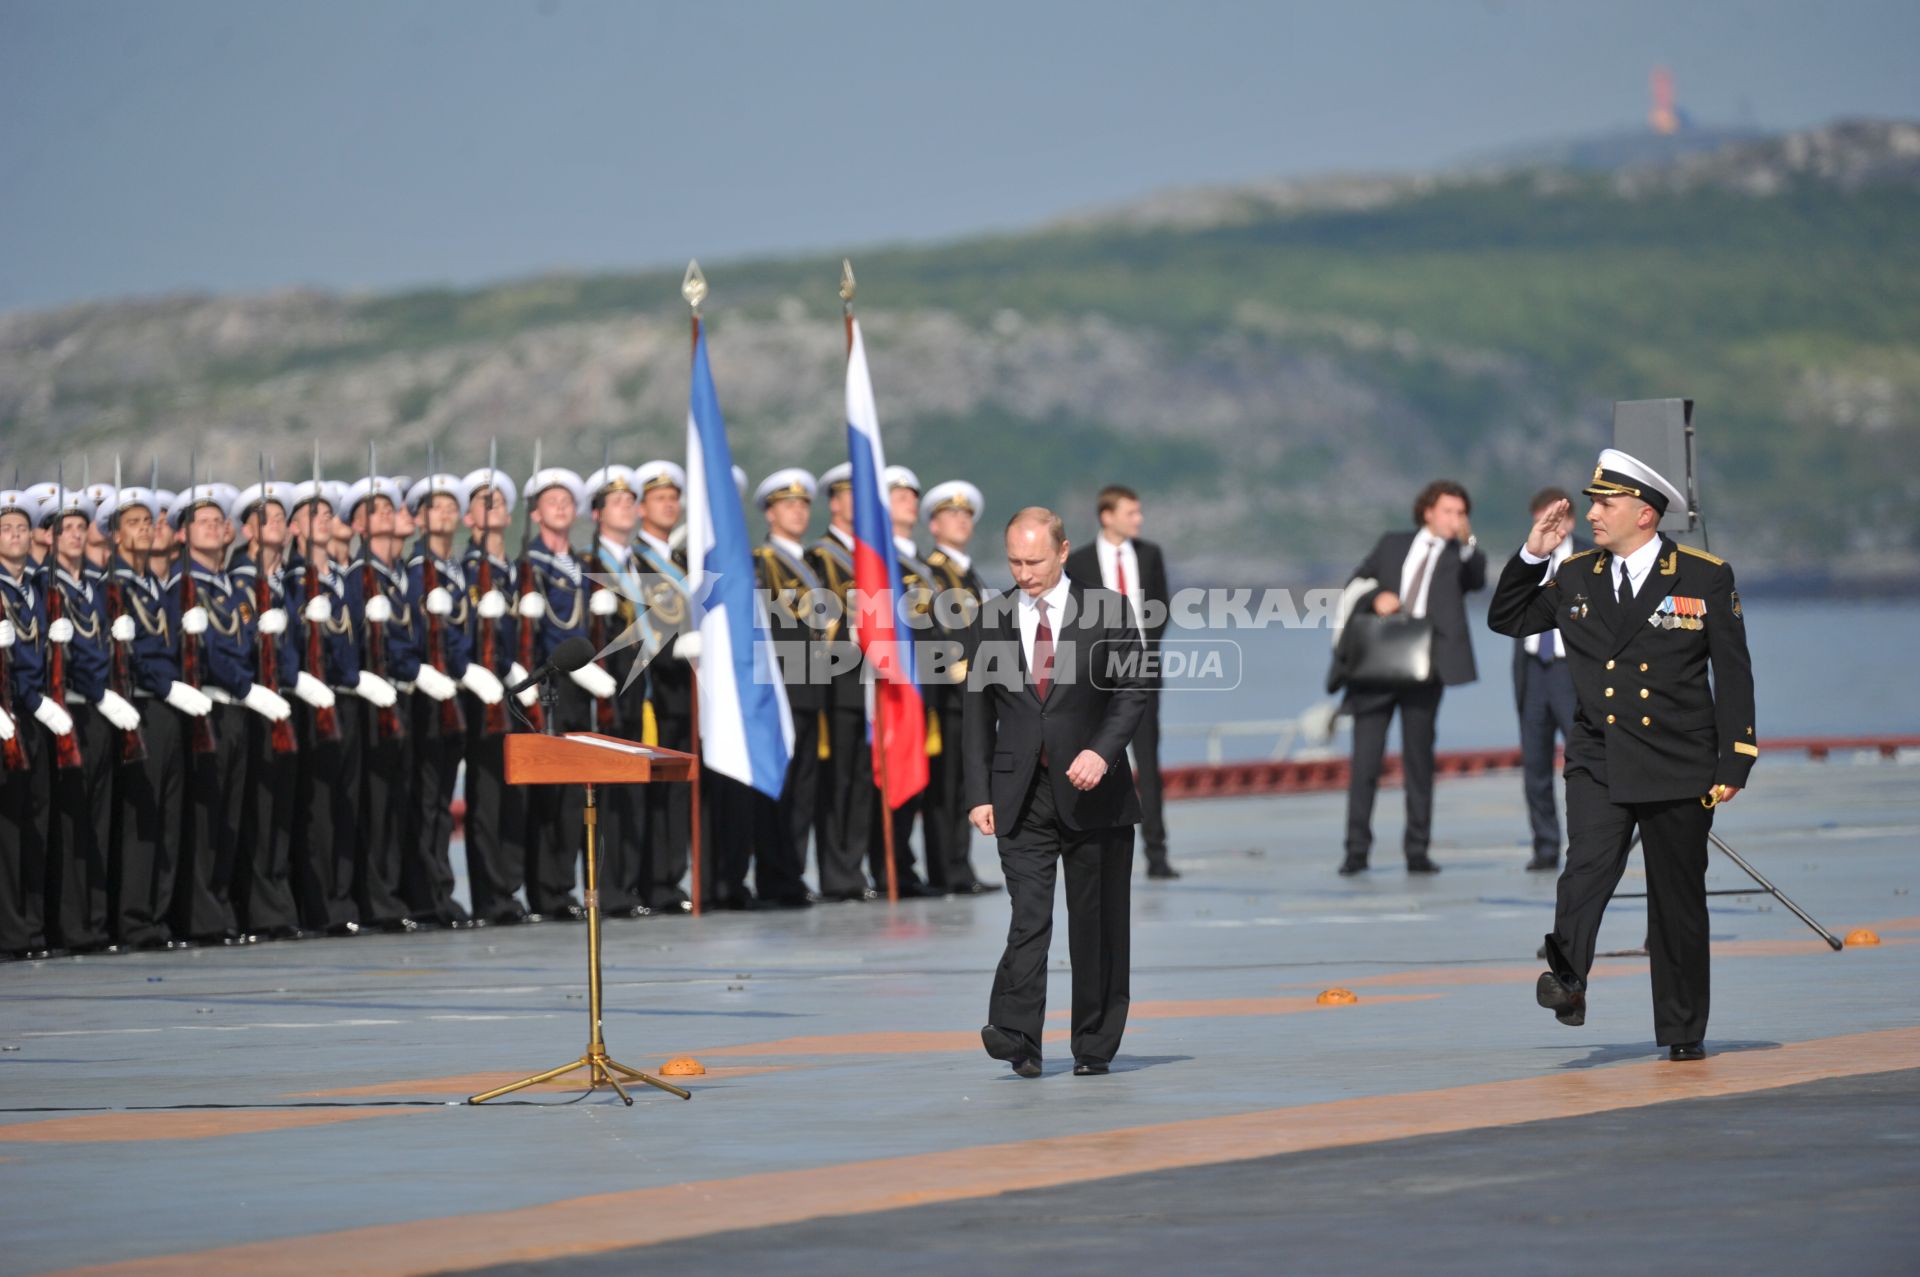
(1424, 574)
(1053, 695)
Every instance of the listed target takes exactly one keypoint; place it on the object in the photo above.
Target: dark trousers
(1546, 708)
(728, 843)
(843, 825)
(496, 823)
(426, 866)
(326, 777)
(1098, 864)
(799, 798)
(149, 795)
(25, 821)
(621, 835)
(215, 808)
(1372, 711)
(903, 817)
(1146, 768)
(556, 817)
(263, 863)
(669, 817)
(944, 819)
(386, 787)
(76, 908)
(1673, 843)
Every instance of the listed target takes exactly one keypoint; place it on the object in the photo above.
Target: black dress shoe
(632, 911)
(1567, 1002)
(804, 900)
(460, 923)
(41, 954)
(859, 895)
(1542, 864)
(1687, 1051)
(1422, 865)
(176, 946)
(399, 926)
(1004, 1044)
(1164, 871)
(1089, 1068)
(344, 929)
(1353, 865)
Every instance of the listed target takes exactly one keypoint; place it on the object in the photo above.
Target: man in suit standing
(1543, 696)
(1425, 573)
(1053, 696)
(1655, 746)
(1120, 561)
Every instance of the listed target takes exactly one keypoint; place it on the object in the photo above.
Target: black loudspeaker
(1660, 433)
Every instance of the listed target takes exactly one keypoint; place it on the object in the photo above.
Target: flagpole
(694, 289)
(847, 287)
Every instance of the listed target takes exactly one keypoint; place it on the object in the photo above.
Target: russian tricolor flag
(880, 624)
(746, 731)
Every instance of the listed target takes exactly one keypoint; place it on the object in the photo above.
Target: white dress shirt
(1112, 556)
(1029, 617)
(1561, 553)
(616, 551)
(844, 538)
(906, 546)
(792, 548)
(960, 558)
(1425, 546)
(1638, 566)
(658, 546)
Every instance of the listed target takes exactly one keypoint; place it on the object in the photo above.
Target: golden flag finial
(694, 286)
(847, 284)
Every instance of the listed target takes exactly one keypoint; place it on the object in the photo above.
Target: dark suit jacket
(1649, 726)
(1083, 565)
(1454, 577)
(1094, 702)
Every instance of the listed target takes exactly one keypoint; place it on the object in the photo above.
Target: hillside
(1277, 367)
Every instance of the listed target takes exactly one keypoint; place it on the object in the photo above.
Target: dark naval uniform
(669, 808)
(780, 835)
(25, 796)
(439, 739)
(149, 794)
(327, 788)
(1650, 739)
(77, 915)
(916, 585)
(843, 823)
(263, 881)
(386, 777)
(957, 592)
(203, 904)
(555, 813)
(622, 831)
(496, 811)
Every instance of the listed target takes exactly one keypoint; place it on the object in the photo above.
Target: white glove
(273, 621)
(189, 700)
(379, 611)
(480, 681)
(439, 602)
(598, 683)
(493, 605)
(123, 631)
(533, 606)
(686, 647)
(60, 631)
(313, 691)
(319, 610)
(116, 710)
(434, 683)
(194, 620)
(6, 726)
(53, 717)
(603, 603)
(376, 691)
(526, 695)
(6, 633)
(267, 703)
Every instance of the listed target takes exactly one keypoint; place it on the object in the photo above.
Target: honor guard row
(231, 715)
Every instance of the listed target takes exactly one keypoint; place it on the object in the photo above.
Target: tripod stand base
(600, 1070)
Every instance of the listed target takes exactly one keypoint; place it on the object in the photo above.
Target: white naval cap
(164, 499)
(1621, 474)
(311, 490)
(101, 493)
(15, 501)
(613, 478)
(661, 474)
(337, 490)
(433, 485)
(954, 494)
(836, 477)
(66, 501)
(900, 477)
(125, 499)
(556, 477)
(204, 494)
(362, 489)
(498, 480)
(41, 494)
(781, 484)
(281, 494)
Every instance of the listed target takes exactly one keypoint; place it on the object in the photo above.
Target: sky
(245, 145)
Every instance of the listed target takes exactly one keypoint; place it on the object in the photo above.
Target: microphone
(564, 659)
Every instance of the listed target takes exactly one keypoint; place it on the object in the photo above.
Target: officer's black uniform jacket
(1648, 727)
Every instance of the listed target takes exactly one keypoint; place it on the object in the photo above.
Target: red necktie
(1119, 572)
(1042, 653)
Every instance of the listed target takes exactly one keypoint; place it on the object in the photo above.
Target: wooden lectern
(589, 759)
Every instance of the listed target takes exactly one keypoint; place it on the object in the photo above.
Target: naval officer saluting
(1642, 619)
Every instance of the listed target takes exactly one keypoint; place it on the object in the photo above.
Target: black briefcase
(1390, 651)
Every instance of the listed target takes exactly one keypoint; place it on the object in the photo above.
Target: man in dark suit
(1426, 573)
(1654, 745)
(1543, 697)
(1120, 561)
(1053, 696)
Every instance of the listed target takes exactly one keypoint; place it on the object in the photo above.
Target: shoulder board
(936, 558)
(1700, 554)
(1581, 554)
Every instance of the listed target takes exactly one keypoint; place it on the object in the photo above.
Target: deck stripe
(638, 1217)
(102, 1128)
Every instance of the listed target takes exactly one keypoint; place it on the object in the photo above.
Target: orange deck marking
(1228, 1008)
(474, 1083)
(925, 1043)
(613, 1221)
(102, 1128)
